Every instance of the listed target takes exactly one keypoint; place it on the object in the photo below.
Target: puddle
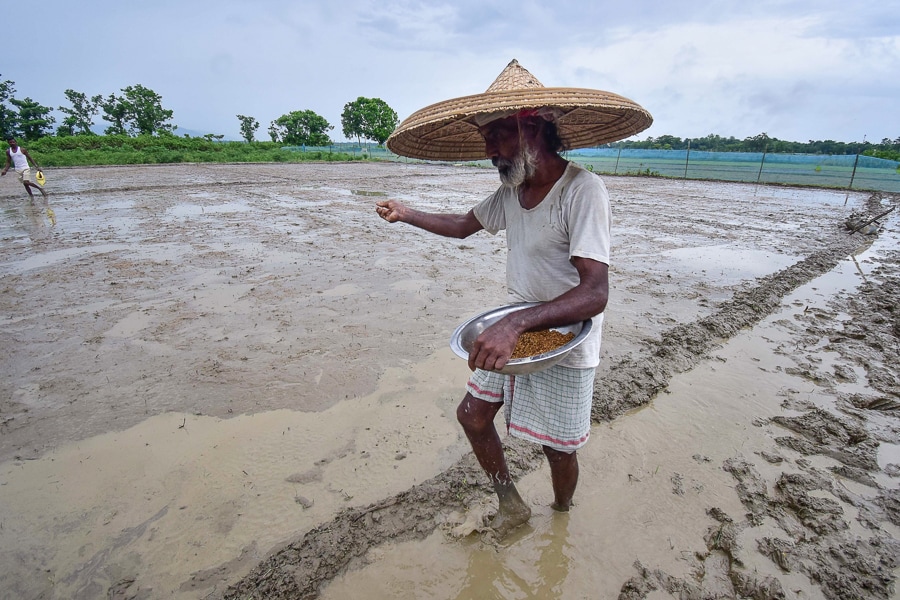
(888, 454)
(730, 262)
(411, 285)
(48, 259)
(366, 193)
(182, 493)
(344, 289)
(296, 203)
(190, 210)
(119, 205)
(809, 195)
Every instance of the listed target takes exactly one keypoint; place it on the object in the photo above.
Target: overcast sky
(798, 70)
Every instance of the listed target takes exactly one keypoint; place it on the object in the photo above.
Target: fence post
(687, 159)
(853, 175)
(761, 163)
(616, 169)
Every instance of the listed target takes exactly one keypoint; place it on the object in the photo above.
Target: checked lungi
(550, 407)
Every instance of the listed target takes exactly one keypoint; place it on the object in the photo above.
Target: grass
(124, 150)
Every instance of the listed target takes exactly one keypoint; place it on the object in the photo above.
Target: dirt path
(208, 363)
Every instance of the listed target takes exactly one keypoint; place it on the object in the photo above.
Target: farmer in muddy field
(19, 158)
(557, 221)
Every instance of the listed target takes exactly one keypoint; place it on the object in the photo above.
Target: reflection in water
(34, 219)
(536, 571)
(38, 219)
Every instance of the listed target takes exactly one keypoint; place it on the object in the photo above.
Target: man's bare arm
(28, 157)
(448, 225)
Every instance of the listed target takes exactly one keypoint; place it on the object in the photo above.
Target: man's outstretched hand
(390, 210)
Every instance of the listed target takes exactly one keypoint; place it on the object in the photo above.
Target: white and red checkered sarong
(550, 407)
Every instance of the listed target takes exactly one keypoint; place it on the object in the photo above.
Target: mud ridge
(302, 568)
(809, 506)
(634, 381)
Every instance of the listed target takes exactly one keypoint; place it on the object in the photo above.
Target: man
(557, 221)
(19, 158)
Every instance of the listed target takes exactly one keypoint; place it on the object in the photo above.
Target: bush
(82, 150)
(886, 154)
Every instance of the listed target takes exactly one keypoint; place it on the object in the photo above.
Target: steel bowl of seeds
(535, 350)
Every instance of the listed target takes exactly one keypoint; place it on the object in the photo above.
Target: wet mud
(814, 534)
(208, 295)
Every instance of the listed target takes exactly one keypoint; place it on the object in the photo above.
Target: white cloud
(795, 69)
(738, 78)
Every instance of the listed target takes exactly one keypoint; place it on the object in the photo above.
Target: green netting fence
(837, 171)
(834, 171)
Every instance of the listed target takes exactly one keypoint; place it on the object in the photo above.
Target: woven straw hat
(585, 118)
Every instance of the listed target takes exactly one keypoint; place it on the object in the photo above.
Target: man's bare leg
(29, 185)
(564, 474)
(477, 419)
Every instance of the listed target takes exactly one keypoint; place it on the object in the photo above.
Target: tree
(116, 112)
(274, 132)
(757, 143)
(669, 142)
(148, 115)
(80, 117)
(34, 120)
(138, 112)
(249, 125)
(351, 120)
(301, 128)
(8, 117)
(369, 118)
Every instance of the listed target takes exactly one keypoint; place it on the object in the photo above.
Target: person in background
(19, 158)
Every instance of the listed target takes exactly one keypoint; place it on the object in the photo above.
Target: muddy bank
(233, 380)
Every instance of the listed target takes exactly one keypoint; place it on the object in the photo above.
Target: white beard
(514, 172)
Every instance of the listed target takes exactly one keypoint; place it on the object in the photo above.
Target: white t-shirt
(572, 220)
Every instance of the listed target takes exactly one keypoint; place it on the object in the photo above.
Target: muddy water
(648, 482)
(203, 362)
(179, 493)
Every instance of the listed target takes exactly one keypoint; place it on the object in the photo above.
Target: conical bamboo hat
(585, 118)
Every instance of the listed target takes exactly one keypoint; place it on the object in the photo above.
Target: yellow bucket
(40, 178)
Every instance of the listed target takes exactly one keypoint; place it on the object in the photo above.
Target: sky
(797, 70)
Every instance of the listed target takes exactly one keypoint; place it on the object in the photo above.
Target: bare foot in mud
(513, 512)
(560, 508)
(506, 521)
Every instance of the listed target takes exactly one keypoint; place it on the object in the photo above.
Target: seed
(532, 343)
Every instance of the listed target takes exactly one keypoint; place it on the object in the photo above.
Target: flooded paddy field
(235, 381)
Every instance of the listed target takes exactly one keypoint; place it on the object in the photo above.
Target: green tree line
(888, 148)
(138, 111)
